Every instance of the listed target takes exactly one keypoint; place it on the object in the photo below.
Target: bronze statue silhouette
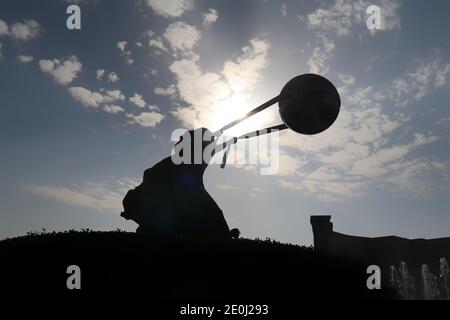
(172, 200)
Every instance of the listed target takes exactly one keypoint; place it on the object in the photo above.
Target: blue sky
(84, 113)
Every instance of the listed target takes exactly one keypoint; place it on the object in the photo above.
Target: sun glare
(234, 107)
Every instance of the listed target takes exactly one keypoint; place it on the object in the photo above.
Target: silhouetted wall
(382, 251)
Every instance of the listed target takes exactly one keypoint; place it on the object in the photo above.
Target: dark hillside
(130, 265)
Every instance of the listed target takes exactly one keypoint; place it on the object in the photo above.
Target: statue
(172, 200)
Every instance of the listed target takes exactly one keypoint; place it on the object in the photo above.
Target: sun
(234, 107)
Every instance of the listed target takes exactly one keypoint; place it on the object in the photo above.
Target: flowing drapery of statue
(172, 199)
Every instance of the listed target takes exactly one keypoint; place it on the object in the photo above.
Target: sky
(85, 112)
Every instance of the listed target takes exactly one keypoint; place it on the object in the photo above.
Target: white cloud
(149, 33)
(289, 165)
(326, 185)
(111, 77)
(317, 63)
(429, 75)
(244, 73)
(112, 109)
(442, 76)
(62, 71)
(106, 100)
(349, 172)
(347, 79)
(170, 91)
(137, 100)
(342, 16)
(182, 36)
(95, 99)
(170, 8)
(375, 165)
(283, 10)
(227, 92)
(158, 44)
(4, 29)
(146, 119)
(149, 72)
(27, 30)
(122, 45)
(24, 58)
(361, 151)
(411, 176)
(210, 17)
(91, 195)
(1, 46)
(445, 122)
(100, 73)
(116, 95)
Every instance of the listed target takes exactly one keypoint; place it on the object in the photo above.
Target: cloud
(182, 36)
(150, 72)
(95, 99)
(229, 89)
(445, 122)
(158, 44)
(170, 8)
(149, 33)
(318, 62)
(111, 77)
(1, 46)
(245, 72)
(347, 79)
(413, 85)
(401, 178)
(86, 97)
(104, 100)
(210, 17)
(4, 29)
(343, 16)
(146, 119)
(91, 195)
(62, 71)
(112, 109)
(289, 165)
(360, 150)
(137, 100)
(170, 91)
(24, 58)
(26, 30)
(413, 177)
(283, 10)
(122, 45)
(99, 74)
(375, 165)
